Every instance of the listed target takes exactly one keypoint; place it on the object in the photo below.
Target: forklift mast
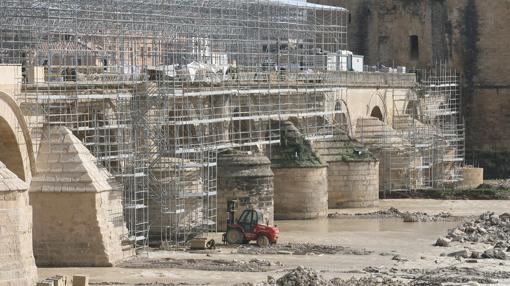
(231, 207)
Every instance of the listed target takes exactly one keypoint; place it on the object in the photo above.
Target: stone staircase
(341, 148)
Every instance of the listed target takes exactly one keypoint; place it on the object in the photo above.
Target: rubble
(443, 242)
(367, 281)
(395, 213)
(452, 274)
(488, 228)
(234, 265)
(301, 249)
(495, 253)
(462, 253)
(302, 276)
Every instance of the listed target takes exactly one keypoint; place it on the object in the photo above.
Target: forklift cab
(250, 226)
(249, 219)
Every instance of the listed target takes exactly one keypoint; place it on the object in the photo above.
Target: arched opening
(377, 113)
(10, 153)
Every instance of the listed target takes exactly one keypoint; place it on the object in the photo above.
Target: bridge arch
(377, 113)
(343, 119)
(16, 149)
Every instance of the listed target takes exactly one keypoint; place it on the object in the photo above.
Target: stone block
(80, 280)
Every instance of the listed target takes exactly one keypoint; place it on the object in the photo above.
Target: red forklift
(250, 226)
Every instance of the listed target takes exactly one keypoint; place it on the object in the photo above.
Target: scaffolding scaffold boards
(155, 89)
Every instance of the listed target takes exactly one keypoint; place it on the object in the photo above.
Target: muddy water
(384, 235)
(337, 226)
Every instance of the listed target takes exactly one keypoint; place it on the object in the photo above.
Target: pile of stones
(488, 228)
(302, 276)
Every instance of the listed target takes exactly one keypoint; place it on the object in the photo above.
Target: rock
(462, 253)
(476, 254)
(505, 217)
(495, 220)
(443, 242)
(371, 269)
(495, 253)
(457, 233)
(410, 217)
(285, 252)
(271, 280)
(482, 230)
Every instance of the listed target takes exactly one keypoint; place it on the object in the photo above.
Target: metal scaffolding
(422, 145)
(155, 88)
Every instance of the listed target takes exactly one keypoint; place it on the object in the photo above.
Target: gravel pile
(488, 228)
(302, 277)
(396, 213)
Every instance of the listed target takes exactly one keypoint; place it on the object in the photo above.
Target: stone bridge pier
(17, 265)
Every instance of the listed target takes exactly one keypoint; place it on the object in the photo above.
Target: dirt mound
(301, 249)
(395, 213)
(302, 276)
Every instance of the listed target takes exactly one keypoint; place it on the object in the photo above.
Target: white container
(357, 63)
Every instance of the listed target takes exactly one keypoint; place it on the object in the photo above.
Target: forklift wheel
(234, 236)
(263, 241)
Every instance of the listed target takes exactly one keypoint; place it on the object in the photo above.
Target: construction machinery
(249, 227)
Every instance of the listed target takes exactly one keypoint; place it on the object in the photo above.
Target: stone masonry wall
(481, 53)
(77, 214)
(472, 35)
(300, 193)
(17, 265)
(353, 184)
(248, 179)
